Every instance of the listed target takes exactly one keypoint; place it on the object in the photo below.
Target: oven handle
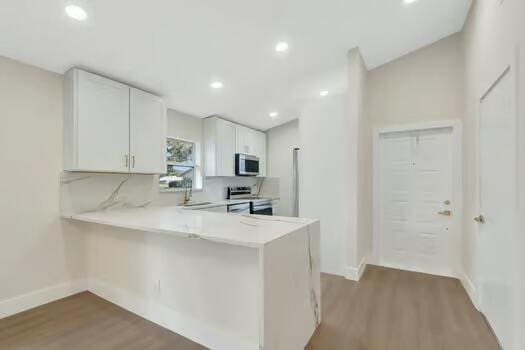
(239, 211)
(262, 207)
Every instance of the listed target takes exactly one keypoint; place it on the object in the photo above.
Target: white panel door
(103, 110)
(147, 133)
(498, 206)
(416, 210)
(225, 148)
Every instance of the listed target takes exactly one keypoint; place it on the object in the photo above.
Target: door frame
(457, 183)
(511, 67)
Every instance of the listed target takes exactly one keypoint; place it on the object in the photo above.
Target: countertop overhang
(253, 231)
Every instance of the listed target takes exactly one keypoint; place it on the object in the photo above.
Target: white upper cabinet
(219, 147)
(96, 128)
(252, 142)
(111, 127)
(260, 150)
(147, 133)
(223, 139)
(226, 149)
(244, 140)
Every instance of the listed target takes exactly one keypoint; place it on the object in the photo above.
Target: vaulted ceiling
(177, 48)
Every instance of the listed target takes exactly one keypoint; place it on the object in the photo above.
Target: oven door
(261, 209)
(241, 208)
(246, 165)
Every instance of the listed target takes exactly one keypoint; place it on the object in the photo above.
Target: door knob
(480, 219)
(445, 213)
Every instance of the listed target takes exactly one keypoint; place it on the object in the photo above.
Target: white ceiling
(176, 48)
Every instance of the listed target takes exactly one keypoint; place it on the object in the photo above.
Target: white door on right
(416, 210)
(497, 261)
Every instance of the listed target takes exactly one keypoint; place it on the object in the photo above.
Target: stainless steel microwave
(246, 165)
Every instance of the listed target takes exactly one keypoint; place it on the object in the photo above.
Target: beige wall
(521, 30)
(364, 166)
(36, 248)
(425, 85)
(281, 141)
(324, 175)
(446, 80)
(521, 99)
(185, 126)
(359, 239)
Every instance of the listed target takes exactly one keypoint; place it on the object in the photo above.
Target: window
(183, 166)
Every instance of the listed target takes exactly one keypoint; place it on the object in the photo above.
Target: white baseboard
(40, 297)
(469, 288)
(146, 307)
(355, 273)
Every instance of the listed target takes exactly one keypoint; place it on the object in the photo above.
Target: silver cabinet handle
(133, 161)
(126, 157)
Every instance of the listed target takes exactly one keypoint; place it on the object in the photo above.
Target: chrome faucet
(187, 196)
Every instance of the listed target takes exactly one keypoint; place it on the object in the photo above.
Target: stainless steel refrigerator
(295, 183)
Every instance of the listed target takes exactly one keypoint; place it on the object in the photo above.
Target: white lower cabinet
(221, 209)
(112, 127)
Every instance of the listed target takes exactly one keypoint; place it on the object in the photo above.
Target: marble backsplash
(85, 192)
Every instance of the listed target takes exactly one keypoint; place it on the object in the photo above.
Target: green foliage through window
(181, 165)
(180, 151)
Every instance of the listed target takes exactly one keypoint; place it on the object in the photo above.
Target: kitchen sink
(195, 204)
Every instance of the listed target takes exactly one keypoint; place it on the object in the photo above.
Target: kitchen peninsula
(225, 281)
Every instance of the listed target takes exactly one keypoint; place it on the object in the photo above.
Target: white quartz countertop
(242, 230)
(224, 203)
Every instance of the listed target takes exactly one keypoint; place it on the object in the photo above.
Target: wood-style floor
(387, 310)
(399, 310)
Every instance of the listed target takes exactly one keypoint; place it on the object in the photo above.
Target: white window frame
(197, 168)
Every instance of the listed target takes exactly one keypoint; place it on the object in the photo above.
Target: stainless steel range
(259, 206)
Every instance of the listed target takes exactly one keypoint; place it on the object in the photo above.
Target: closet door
(497, 221)
(416, 211)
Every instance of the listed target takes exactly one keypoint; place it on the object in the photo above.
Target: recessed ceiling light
(281, 46)
(323, 93)
(76, 12)
(408, 2)
(273, 114)
(217, 85)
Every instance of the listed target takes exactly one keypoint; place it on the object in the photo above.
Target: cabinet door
(102, 118)
(222, 209)
(260, 151)
(147, 133)
(244, 140)
(225, 148)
